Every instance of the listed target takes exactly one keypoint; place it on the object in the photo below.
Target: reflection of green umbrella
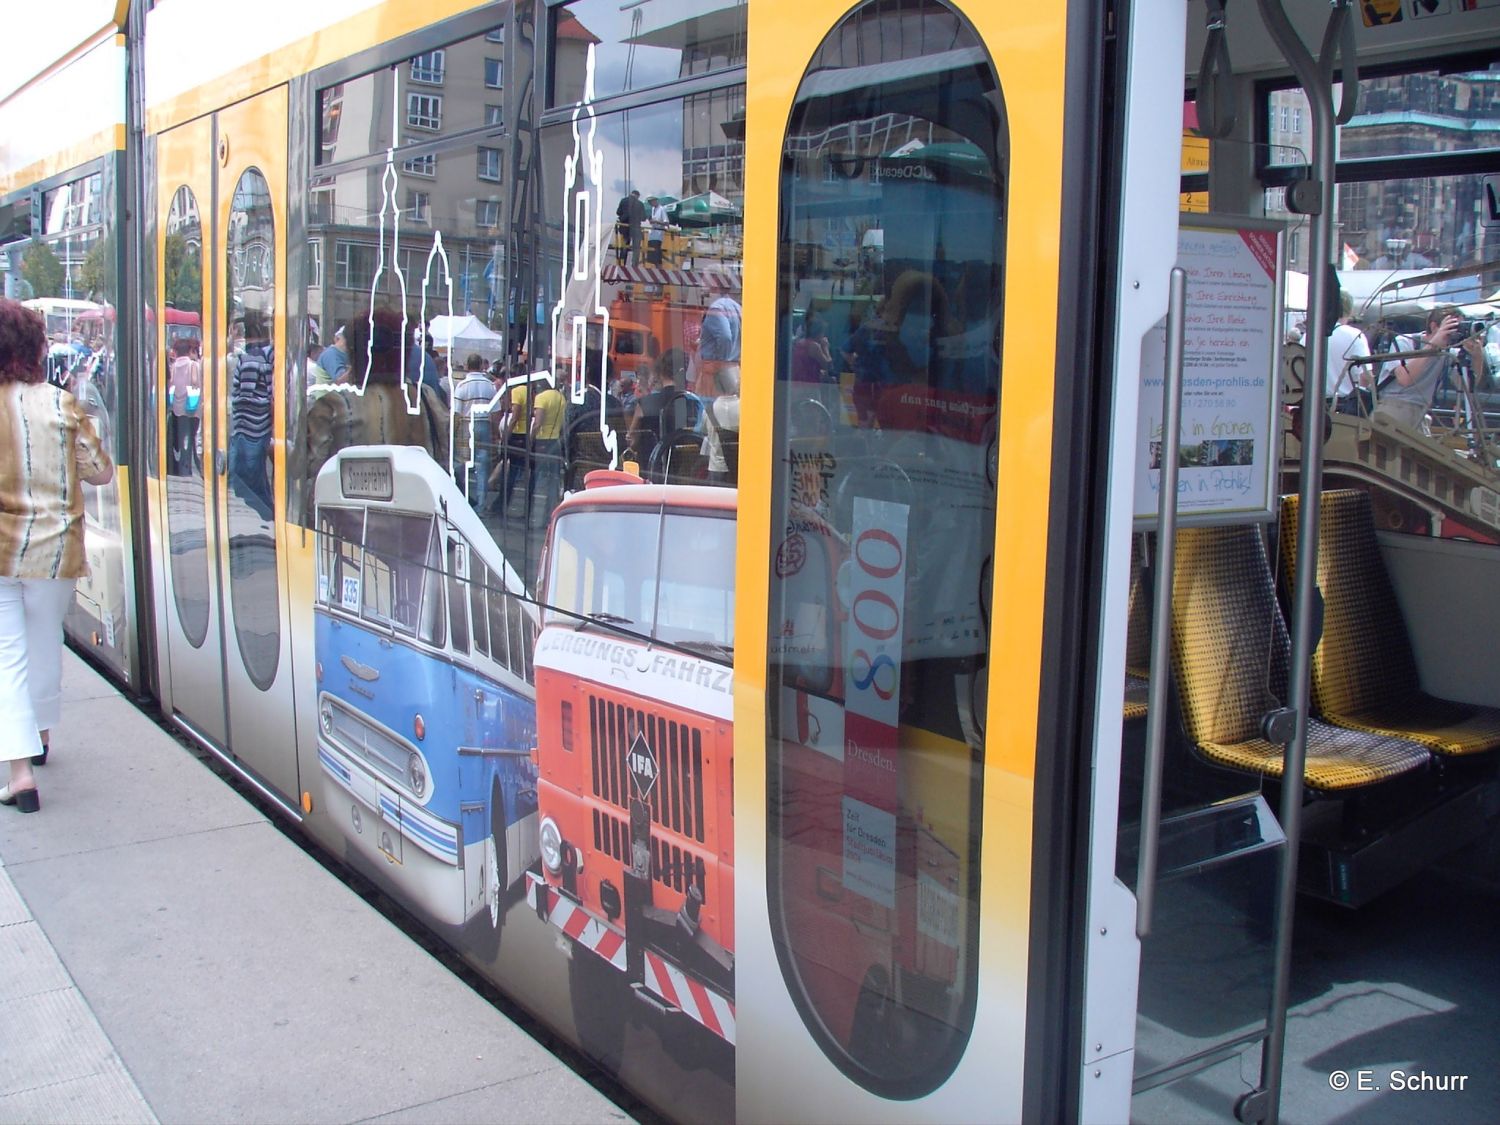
(943, 161)
(707, 209)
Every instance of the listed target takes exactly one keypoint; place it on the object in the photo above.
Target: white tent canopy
(466, 335)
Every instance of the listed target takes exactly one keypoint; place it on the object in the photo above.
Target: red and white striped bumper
(690, 996)
(585, 930)
(662, 978)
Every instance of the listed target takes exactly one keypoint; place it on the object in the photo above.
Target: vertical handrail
(1264, 1104)
(1161, 618)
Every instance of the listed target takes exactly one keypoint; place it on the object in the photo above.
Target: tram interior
(1399, 856)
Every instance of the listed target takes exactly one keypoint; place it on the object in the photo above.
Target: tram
(928, 643)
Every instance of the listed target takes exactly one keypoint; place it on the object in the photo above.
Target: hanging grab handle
(1338, 54)
(1215, 98)
(1161, 617)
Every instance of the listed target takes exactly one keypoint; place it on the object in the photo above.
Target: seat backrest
(1138, 621)
(682, 411)
(1229, 642)
(678, 458)
(1365, 656)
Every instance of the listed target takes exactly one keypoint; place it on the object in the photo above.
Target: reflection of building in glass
(1400, 223)
(421, 107)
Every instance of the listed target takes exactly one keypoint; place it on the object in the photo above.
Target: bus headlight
(416, 775)
(325, 713)
(552, 845)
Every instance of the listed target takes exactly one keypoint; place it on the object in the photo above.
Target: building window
(494, 114)
(354, 265)
(422, 165)
(424, 111)
(495, 35)
(429, 68)
(489, 163)
(492, 72)
(314, 264)
(487, 212)
(418, 206)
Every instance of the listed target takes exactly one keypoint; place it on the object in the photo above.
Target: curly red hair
(23, 343)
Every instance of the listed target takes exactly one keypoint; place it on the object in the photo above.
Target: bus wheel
(483, 931)
(600, 1001)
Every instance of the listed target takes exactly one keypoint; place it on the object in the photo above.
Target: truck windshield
(664, 577)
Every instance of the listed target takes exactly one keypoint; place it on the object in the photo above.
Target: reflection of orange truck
(635, 751)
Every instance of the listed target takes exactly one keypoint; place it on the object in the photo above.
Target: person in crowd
(250, 406)
(547, 416)
(646, 423)
(657, 235)
(334, 359)
(636, 218)
(1406, 394)
(862, 355)
(184, 399)
(622, 230)
(380, 415)
(48, 449)
(1344, 385)
(718, 344)
(475, 389)
(722, 415)
(422, 363)
(811, 359)
(514, 423)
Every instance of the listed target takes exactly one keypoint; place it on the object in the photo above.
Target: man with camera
(1407, 390)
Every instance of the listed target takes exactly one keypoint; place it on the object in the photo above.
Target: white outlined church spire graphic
(437, 256)
(579, 299)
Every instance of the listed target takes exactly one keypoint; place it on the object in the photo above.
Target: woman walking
(48, 447)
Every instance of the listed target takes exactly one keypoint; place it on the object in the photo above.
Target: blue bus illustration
(426, 703)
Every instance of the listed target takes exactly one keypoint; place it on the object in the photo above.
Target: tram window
(505, 652)
(252, 358)
(479, 578)
(627, 60)
(458, 619)
(454, 262)
(887, 398)
(660, 343)
(1419, 113)
(180, 373)
(461, 70)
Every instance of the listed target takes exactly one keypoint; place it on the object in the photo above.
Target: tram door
(221, 193)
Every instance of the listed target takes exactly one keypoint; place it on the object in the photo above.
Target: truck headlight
(552, 845)
(416, 774)
(326, 714)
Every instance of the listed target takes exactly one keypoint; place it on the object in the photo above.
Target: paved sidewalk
(167, 954)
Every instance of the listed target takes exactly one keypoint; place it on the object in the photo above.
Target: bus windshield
(605, 567)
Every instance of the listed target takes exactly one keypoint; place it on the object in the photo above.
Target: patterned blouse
(47, 446)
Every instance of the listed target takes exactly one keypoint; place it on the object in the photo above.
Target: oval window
(182, 373)
(250, 368)
(887, 402)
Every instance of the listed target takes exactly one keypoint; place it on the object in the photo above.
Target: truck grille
(677, 797)
(670, 865)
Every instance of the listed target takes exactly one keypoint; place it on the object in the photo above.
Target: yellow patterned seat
(1364, 675)
(1137, 637)
(1229, 654)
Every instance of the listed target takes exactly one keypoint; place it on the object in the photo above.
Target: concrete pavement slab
(239, 981)
(116, 778)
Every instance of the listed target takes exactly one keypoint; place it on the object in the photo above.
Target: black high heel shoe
(26, 800)
(40, 759)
